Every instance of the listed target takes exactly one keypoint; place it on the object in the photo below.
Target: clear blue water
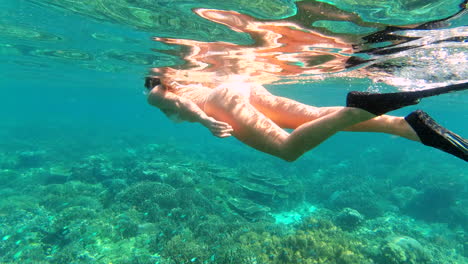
(79, 144)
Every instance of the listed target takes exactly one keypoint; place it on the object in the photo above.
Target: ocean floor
(148, 202)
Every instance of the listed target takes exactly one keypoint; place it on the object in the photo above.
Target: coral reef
(165, 208)
(403, 249)
(349, 218)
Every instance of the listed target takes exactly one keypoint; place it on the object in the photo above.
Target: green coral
(145, 195)
(183, 213)
(403, 250)
(315, 241)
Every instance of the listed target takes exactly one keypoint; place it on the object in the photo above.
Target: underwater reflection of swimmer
(279, 50)
(257, 118)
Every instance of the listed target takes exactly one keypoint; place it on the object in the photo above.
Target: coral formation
(163, 208)
(349, 218)
(403, 249)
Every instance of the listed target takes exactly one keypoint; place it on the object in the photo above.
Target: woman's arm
(171, 104)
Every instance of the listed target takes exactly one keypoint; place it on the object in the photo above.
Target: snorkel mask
(151, 82)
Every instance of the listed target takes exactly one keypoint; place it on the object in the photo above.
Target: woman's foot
(434, 135)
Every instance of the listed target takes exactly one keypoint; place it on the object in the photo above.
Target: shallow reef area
(151, 203)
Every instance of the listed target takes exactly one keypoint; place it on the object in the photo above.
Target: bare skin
(258, 118)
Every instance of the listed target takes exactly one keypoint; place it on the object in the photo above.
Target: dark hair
(151, 82)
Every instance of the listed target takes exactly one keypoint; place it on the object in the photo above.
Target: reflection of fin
(389, 35)
(355, 61)
(394, 50)
(386, 35)
(442, 90)
(432, 134)
(453, 39)
(379, 104)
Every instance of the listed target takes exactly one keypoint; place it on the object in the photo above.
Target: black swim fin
(434, 135)
(379, 104)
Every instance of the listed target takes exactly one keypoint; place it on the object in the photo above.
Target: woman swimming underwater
(257, 118)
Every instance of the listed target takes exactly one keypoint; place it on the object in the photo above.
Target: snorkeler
(257, 118)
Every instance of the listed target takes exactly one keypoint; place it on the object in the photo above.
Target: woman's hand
(218, 128)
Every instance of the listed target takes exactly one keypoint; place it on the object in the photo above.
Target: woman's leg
(393, 125)
(288, 113)
(256, 130)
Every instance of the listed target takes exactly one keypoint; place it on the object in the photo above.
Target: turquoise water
(90, 173)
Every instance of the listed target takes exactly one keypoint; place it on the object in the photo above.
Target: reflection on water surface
(278, 41)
